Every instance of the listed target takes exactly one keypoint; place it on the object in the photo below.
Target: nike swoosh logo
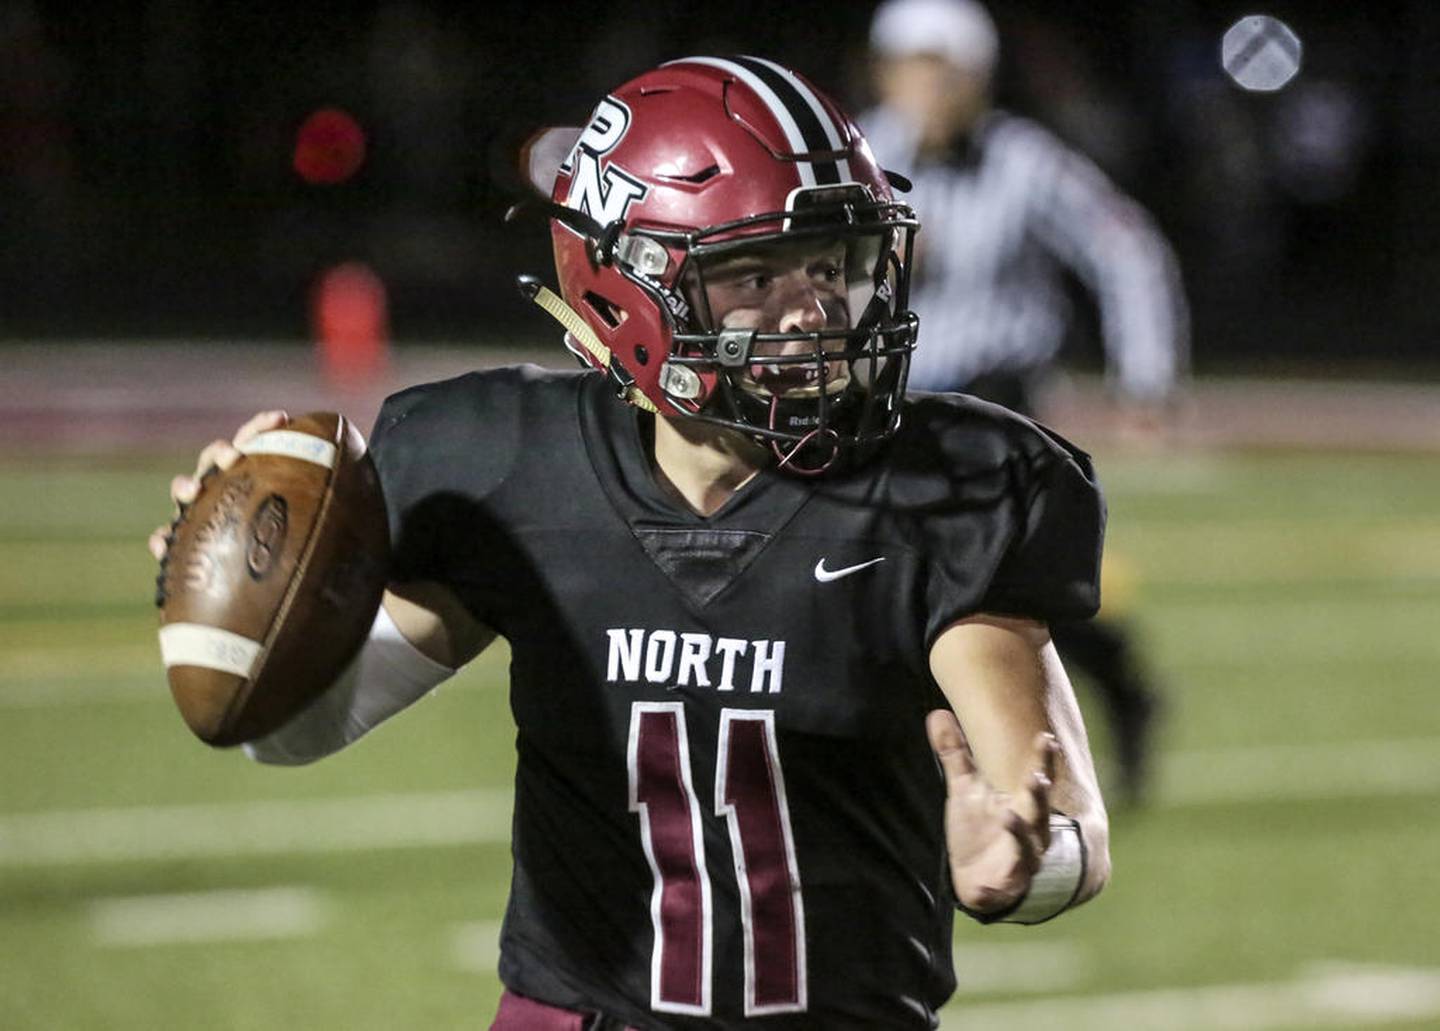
(826, 575)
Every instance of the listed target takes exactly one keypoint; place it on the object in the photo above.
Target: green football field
(1285, 874)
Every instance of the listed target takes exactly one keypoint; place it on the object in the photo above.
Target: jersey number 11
(750, 795)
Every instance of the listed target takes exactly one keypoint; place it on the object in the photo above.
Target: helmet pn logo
(606, 192)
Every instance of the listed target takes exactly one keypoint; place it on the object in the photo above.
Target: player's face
(794, 286)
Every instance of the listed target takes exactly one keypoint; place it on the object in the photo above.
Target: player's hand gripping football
(218, 454)
(995, 840)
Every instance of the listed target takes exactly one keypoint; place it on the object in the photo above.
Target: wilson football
(272, 578)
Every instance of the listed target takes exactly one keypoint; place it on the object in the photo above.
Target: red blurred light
(329, 147)
(349, 315)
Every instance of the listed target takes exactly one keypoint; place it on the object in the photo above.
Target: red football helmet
(698, 159)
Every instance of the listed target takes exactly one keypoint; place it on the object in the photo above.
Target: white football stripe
(291, 444)
(239, 915)
(826, 122)
(192, 644)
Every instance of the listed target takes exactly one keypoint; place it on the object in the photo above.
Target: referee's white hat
(961, 31)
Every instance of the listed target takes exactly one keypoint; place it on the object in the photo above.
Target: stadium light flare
(329, 147)
(1260, 53)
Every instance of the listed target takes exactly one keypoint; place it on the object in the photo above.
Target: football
(272, 578)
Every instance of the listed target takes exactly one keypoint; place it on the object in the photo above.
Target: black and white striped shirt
(998, 227)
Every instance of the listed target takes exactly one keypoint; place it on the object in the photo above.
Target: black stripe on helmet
(826, 171)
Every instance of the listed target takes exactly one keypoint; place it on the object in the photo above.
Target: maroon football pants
(517, 1013)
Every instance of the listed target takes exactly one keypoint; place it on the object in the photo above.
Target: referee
(1007, 209)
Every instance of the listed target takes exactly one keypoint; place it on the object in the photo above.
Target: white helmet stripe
(832, 131)
(788, 125)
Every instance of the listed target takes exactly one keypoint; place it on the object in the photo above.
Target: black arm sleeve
(1011, 519)
(442, 450)
(1051, 570)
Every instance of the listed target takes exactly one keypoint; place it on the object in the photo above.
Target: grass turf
(1286, 601)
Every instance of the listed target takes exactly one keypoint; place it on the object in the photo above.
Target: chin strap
(787, 457)
(576, 326)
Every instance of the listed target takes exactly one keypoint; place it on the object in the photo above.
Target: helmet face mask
(833, 384)
(700, 193)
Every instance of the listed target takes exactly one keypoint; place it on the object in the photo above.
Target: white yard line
(289, 827)
(1399, 768)
(40, 665)
(37, 694)
(240, 915)
(1267, 773)
(1325, 994)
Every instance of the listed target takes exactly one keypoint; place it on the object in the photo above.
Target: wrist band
(1055, 885)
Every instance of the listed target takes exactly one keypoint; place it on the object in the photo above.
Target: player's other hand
(995, 840)
(218, 454)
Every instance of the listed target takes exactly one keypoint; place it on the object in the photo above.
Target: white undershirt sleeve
(387, 675)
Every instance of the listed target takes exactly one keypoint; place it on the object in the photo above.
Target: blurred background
(150, 182)
(210, 208)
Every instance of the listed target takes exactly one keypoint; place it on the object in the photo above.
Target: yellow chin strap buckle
(568, 317)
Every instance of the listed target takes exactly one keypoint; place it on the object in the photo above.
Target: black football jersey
(726, 808)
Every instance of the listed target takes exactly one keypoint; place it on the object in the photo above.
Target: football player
(752, 592)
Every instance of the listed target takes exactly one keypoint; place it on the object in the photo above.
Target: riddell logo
(606, 192)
